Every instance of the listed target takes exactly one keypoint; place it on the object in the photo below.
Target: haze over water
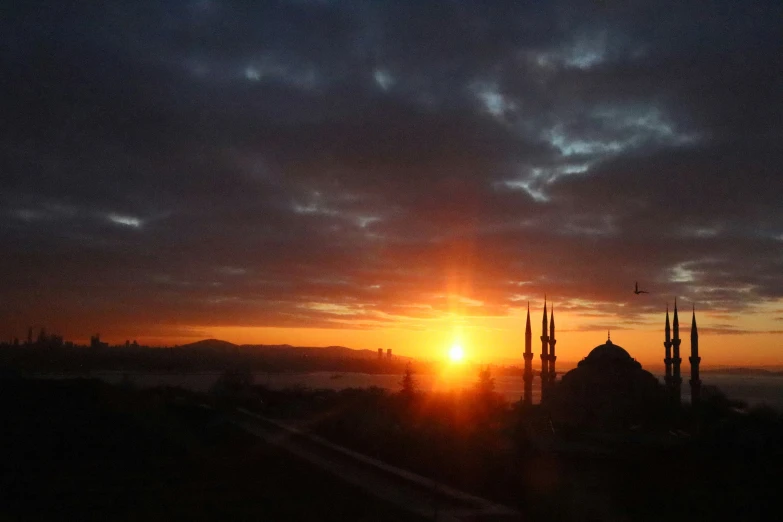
(752, 389)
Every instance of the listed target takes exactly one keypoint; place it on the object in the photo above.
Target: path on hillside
(407, 490)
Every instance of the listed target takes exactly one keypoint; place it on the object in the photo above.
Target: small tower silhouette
(528, 355)
(667, 344)
(695, 360)
(676, 360)
(552, 342)
(544, 356)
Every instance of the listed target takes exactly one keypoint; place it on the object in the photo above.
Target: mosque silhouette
(609, 386)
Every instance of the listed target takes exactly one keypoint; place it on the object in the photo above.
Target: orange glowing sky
(328, 173)
(501, 339)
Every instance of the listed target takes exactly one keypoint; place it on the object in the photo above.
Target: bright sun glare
(456, 353)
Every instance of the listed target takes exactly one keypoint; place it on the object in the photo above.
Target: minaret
(676, 379)
(695, 360)
(667, 343)
(552, 342)
(544, 356)
(528, 376)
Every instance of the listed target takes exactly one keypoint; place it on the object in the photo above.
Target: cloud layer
(333, 163)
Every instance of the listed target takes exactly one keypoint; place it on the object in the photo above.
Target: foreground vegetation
(84, 450)
(706, 465)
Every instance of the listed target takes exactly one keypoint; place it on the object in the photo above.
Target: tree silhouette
(408, 381)
(486, 383)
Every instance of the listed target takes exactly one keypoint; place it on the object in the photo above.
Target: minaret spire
(551, 320)
(676, 360)
(695, 360)
(552, 357)
(528, 355)
(544, 356)
(667, 344)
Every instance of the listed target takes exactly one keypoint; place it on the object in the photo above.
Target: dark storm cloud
(313, 163)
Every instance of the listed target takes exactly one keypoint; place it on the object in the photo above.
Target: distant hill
(745, 371)
(284, 350)
(205, 355)
(210, 345)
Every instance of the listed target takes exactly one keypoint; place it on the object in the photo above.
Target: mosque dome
(609, 353)
(608, 387)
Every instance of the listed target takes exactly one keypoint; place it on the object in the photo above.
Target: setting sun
(456, 354)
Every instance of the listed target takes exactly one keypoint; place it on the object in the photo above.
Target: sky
(397, 174)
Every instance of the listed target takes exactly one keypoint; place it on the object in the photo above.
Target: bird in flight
(637, 291)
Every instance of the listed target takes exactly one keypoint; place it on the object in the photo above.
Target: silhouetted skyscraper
(544, 356)
(695, 360)
(95, 342)
(528, 375)
(676, 360)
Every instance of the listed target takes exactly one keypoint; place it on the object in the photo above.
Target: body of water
(752, 389)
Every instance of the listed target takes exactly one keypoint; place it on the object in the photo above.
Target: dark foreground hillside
(83, 450)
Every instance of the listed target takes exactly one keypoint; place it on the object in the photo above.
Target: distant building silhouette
(380, 353)
(389, 353)
(44, 340)
(95, 342)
